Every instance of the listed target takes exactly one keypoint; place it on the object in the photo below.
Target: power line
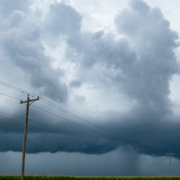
(10, 96)
(66, 111)
(55, 106)
(126, 139)
(57, 116)
(13, 87)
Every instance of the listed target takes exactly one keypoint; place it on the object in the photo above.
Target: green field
(39, 177)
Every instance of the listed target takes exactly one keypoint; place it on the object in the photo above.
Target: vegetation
(39, 177)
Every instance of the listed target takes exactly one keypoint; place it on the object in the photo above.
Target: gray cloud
(7, 7)
(148, 78)
(22, 46)
(62, 19)
(143, 63)
(140, 65)
(75, 83)
(139, 6)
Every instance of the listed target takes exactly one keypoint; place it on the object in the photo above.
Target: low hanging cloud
(140, 65)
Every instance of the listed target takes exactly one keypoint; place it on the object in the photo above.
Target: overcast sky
(115, 64)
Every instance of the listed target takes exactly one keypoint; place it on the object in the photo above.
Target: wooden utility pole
(25, 133)
(171, 154)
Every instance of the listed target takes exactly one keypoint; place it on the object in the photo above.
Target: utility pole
(171, 154)
(25, 133)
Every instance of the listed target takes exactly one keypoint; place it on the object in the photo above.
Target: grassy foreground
(39, 177)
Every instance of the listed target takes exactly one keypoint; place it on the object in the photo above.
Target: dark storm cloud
(140, 65)
(57, 135)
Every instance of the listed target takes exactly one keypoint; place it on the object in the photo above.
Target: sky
(111, 70)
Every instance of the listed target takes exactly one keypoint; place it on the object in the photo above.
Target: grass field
(39, 177)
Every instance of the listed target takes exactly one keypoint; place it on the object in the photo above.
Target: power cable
(10, 96)
(66, 111)
(126, 139)
(57, 115)
(13, 87)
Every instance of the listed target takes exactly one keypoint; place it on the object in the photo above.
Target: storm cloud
(138, 63)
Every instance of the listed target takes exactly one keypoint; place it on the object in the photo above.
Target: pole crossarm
(21, 102)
